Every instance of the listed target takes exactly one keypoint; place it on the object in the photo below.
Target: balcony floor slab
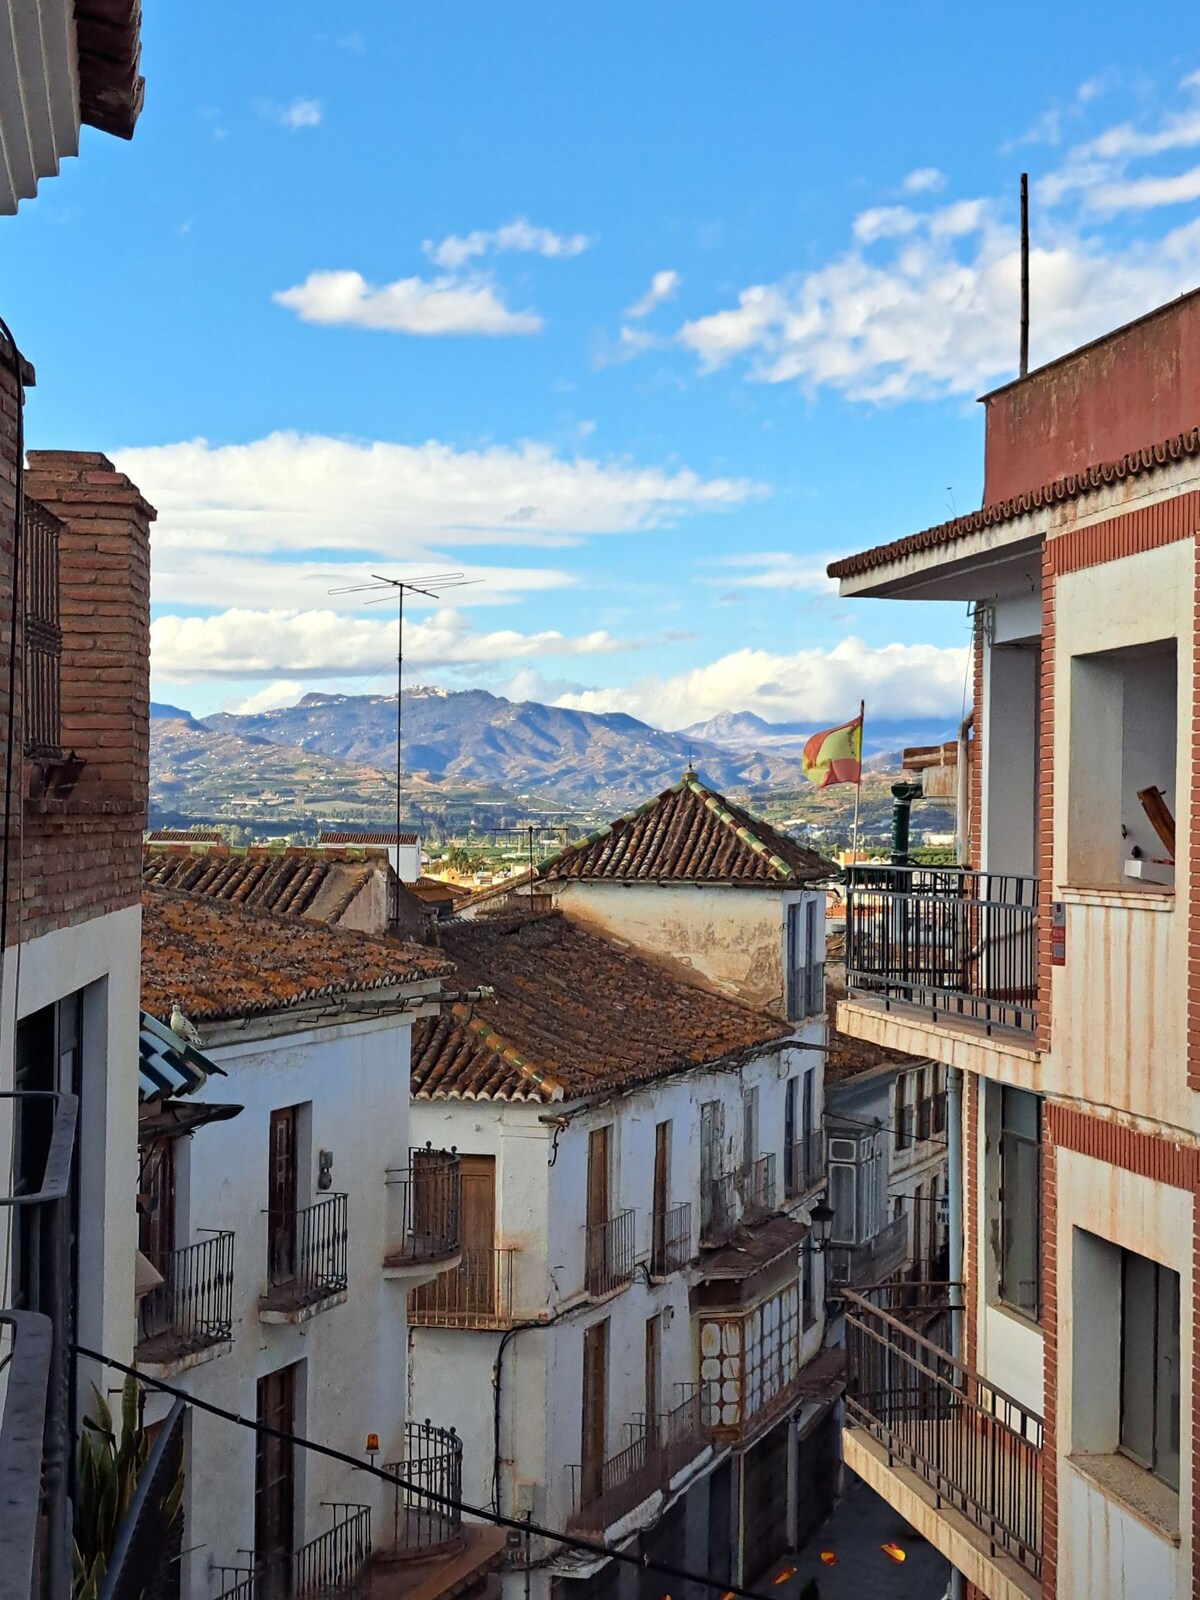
(289, 1316)
(1007, 1054)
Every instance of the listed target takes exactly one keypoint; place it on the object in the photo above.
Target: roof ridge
(590, 839)
(506, 1050)
(1069, 487)
(721, 811)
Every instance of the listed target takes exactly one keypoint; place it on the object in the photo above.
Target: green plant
(108, 1472)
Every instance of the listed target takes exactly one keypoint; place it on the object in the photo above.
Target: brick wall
(81, 855)
(1045, 803)
(975, 810)
(10, 406)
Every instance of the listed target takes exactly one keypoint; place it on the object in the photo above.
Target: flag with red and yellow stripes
(835, 754)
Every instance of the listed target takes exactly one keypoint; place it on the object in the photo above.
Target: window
(662, 1198)
(808, 1308)
(43, 633)
(900, 1115)
(793, 975)
(714, 1199)
(283, 1178)
(793, 1165)
(1020, 1201)
(595, 1410)
(749, 1129)
(924, 1105)
(654, 1403)
(1150, 1377)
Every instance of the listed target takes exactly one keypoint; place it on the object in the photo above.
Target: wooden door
(477, 1273)
(597, 1206)
(662, 1193)
(595, 1410)
(282, 1186)
(275, 1485)
(156, 1203)
(792, 1162)
(654, 1405)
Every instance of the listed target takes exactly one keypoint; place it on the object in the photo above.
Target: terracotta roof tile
(689, 834)
(222, 961)
(1071, 487)
(369, 836)
(574, 1014)
(184, 836)
(309, 883)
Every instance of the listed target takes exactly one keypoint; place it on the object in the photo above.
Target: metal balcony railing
(605, 1491)
(872, 1261)
(671, 1240)
(718, 1208)
(959, 944)
(332, 1564)
(193, 1306)
(433, 1463)
(306, 1254)
(427, 1217)
(478, 1293)
(804, 1164)
(681, 1434)
(43, 633)
(758, 1188)
(977, 1448)
(610, 1253)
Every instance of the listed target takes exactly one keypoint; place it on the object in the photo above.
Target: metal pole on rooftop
(399, 725)
(1024, 273)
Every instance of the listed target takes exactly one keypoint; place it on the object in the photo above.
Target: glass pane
(1137, 1357)
(1166, 1399)
(1020, 1217)
(1019, 1113)
(841, 1199)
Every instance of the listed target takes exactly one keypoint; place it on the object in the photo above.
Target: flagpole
(862, 706)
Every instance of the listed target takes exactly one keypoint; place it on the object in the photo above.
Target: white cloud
(776, 569)
(243, 643)
(925, 180)
(663, 286)
(936, 311)
(895, 680)
(520, 234)
(445, 305)
(885, 222)
(301, 114)
(1144, 194)
(302, 493)
(284, 692)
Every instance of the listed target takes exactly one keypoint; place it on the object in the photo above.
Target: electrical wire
(589, 1547)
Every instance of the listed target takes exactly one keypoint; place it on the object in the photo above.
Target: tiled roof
(1132, 465)
(574, 1014)
(221, 961)
(688, 834)
(310, 883)
(426, 888)
(184, 836)
(369, 836)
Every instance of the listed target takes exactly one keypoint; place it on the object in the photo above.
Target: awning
(173, 1118)
(167, 1064)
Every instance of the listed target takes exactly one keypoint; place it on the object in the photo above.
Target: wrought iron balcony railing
(610, 1253)
(977, 1448)
(681, 1434)
(478, 1293)
(718, 1208)
(671, 1240)
(432, 1463)
(602, 1492)
(959, 944)
(193, 1306)
(331, 1565)
(426, 1215)
(306, 1254)
(804, 1164)
(758, 1188)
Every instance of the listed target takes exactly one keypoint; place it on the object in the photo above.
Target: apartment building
(1054, 976)
(284, 1244)
(639, 1158)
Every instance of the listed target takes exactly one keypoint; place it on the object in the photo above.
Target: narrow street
(860, 1525)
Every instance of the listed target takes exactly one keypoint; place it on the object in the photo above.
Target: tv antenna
(383, 588)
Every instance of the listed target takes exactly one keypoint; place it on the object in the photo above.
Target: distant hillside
(475, 737)
(744, 731)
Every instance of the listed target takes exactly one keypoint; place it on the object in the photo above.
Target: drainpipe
(954, 1201)
(903, 795)
(962, 793)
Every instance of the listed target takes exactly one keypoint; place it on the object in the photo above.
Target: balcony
(957, 945)
(306, 1259)
(718, 1208)
(804, 1165)
(758, 1189)
(610, 1254)
(671, 1242)
(425, 1214)
(609, 1490)
(957, 1457)
(192, 1309)
(478, 1293)
(426, 1518)
(332, 1564)
(871, 1262)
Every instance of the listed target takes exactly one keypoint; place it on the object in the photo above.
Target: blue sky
(638, 313)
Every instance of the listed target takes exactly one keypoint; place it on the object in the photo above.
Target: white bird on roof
(182, 1028)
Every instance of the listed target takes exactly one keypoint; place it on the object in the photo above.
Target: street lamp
(820, 1221)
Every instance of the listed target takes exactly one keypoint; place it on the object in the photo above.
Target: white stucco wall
(354, 1379)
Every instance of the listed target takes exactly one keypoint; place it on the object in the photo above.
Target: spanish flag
(835, 756)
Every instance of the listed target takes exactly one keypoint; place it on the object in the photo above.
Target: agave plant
(109, 1469)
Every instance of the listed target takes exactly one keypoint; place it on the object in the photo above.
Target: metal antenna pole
(399, 713)
(1024, 273)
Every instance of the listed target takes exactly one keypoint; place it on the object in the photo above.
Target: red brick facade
(975, 809)
(80, 856)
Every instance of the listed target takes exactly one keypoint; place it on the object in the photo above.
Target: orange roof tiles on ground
(574, 1015)
(320, 885)
(689, 834)
(220, 961)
